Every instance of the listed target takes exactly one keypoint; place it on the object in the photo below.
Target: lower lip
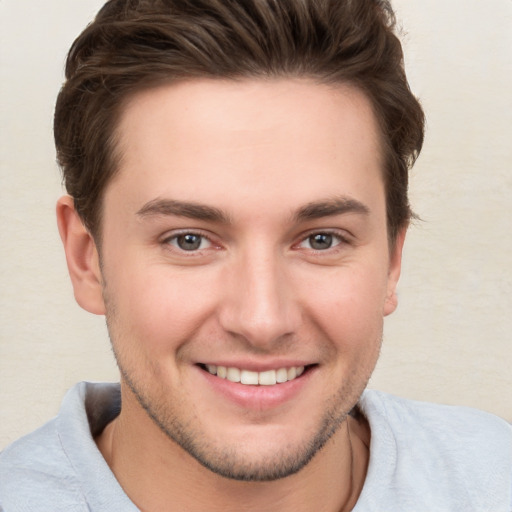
(257, 397)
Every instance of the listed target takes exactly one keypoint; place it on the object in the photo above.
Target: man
(237, 179)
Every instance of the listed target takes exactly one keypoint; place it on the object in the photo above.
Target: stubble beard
(229, 463)
(226, 461)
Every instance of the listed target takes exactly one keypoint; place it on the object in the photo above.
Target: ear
(81, 256)
(395, 267)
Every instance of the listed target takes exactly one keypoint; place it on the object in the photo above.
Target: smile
(250, 378)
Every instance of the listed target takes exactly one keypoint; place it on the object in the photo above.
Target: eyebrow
(336, 206)
(314, 210)
(191, 210)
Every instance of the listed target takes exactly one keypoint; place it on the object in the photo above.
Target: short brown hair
(136, 44)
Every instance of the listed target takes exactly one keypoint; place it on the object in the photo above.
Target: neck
(157, 474)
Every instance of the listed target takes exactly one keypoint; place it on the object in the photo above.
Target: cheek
(355, 298)
(156, 307)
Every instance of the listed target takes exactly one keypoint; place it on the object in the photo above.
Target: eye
(189, 242)
(321, 241)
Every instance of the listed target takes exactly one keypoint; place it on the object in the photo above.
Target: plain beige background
(448, 342)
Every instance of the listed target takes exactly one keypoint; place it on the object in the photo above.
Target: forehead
(219, 141)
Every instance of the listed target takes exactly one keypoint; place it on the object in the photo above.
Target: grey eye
(190, 242)
(321, 241)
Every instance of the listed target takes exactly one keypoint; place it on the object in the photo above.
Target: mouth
(253, 378)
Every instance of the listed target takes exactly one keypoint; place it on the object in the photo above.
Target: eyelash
(341, 241)
(168, 241)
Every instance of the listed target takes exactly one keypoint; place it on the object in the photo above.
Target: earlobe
(81, 256)
(395, 267)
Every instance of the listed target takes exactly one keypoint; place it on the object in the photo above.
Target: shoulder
(451, 454)
(426, 418)
(31, 468)
(58, 467)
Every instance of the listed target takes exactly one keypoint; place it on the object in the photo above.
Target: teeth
(247, 377)
(233, 374)
(267, 378)
(282, 375)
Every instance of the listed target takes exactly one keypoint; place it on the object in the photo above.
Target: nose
(259, 304)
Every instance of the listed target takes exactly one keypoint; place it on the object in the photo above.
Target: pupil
(321, 241)
(189, 242)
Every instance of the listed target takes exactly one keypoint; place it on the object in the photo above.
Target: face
(245, 266)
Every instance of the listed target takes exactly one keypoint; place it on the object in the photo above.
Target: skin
(267, 165)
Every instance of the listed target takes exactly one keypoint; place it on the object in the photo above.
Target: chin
(250, 464)
(260, 454)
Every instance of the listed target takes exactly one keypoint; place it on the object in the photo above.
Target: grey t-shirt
(423, 458)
